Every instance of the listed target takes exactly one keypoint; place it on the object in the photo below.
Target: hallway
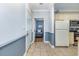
(42, 49)
(38, 39)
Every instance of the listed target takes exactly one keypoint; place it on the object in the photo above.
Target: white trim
(27, 49)
(35, 30)
(46, 41)
(44, 10)
(25, 54)
(33, 41)
(52, 46)
(44, 32)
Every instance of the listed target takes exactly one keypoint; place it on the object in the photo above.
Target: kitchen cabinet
(71, 37)
(78, 44)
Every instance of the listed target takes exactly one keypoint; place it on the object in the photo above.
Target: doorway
(39, 33)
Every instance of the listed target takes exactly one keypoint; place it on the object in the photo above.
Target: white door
(61, 38)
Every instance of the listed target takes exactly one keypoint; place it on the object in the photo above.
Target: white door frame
(34, 29)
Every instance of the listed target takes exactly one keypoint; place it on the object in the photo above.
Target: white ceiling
(57, 6)
(37, 6)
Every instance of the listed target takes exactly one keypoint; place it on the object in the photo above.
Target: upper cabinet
(66, 11)
(66, 7)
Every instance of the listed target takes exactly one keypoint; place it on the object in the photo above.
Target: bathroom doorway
(39, 32)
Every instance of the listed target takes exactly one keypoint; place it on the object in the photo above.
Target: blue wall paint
(47, 36)
(16, 48)
(50, 37)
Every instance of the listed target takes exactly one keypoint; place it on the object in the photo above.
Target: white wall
(45, 15)
(52, 20)
(12, 21)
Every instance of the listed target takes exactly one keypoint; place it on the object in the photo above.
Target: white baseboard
(27, 49)
(46, 41)
(33, 41)
(25, 53)
(52, 46)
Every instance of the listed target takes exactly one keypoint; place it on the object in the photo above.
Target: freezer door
(61, 38)
(61, 25)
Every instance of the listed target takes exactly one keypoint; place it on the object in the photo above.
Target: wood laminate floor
(38, 39)
(42, 49)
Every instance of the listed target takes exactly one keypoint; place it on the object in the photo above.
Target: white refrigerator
(61, 33)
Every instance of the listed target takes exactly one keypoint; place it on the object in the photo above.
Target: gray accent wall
(16, 48)
(47, 36)
(50, 37)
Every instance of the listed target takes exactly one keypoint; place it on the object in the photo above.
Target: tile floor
(42, 49)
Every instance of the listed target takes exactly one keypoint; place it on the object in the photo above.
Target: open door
(39, 32)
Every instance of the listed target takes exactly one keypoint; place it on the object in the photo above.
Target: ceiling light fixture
(41, 3)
